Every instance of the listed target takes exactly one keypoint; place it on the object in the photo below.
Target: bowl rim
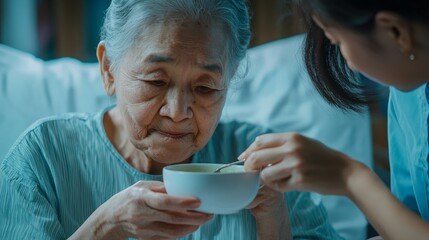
(167, 168)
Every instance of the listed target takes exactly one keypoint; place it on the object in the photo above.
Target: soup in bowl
(225, 192)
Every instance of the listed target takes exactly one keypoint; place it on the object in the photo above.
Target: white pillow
(31, 89)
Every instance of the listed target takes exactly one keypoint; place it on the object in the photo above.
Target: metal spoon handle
(227, 165)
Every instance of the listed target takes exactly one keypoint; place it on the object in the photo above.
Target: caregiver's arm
(300, 163)
(385, 212)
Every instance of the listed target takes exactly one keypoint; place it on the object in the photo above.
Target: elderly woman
(82, 176)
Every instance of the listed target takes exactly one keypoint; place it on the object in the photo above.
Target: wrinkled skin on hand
(145, 211)
(271, 214)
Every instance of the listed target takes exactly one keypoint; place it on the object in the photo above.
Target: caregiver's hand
(143, 211)
(271, 214)
(300, 163)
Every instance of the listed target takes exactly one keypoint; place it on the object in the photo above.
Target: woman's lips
(172, 134)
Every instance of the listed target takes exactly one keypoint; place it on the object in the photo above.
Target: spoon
(234, 163)
(227, 165)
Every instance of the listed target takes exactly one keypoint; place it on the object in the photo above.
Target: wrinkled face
(171, 89)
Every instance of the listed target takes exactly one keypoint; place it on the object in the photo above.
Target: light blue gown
(408, 148)
(63, 168)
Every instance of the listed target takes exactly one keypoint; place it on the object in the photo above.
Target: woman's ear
(398, 28)
(106, 75)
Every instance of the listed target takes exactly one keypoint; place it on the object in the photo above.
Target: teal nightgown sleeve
(26, 212)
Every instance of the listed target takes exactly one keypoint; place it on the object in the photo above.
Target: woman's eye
(157, 83)
(204, 89)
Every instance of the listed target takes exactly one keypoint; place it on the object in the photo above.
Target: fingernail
(195, 204)
(241, 157)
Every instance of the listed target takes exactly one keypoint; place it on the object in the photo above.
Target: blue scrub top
(408, 148)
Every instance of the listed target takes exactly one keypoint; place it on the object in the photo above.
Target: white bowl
(220, 193)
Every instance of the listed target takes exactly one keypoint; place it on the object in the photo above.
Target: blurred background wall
(57, 28)
(53, 28)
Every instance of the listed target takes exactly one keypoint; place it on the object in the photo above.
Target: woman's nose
(177, 105)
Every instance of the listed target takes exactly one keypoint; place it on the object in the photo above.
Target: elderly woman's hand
(144, 211)
(300, 163)
(271, 214)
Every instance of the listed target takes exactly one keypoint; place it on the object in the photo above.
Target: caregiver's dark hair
(327, 68)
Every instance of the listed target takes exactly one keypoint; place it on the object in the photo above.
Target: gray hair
(125, 19)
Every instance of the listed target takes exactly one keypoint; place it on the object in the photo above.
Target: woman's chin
(168, 157)
(167, 152)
